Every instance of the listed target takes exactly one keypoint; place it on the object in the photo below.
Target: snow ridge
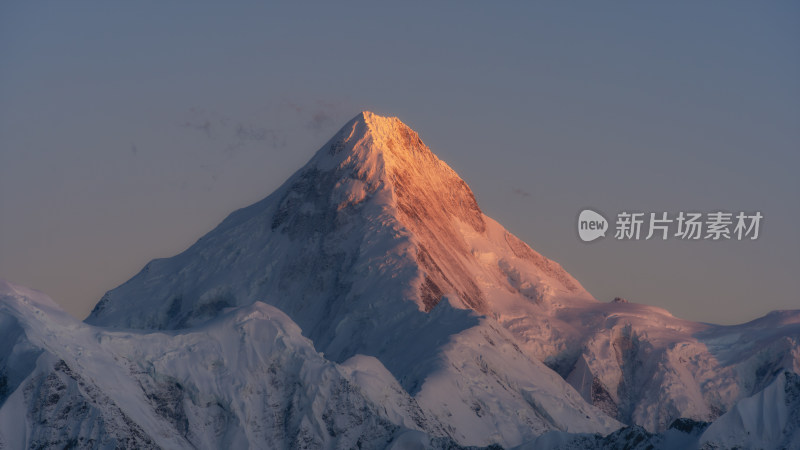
(245, 379)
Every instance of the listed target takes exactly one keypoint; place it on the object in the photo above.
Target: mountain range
(369, 303)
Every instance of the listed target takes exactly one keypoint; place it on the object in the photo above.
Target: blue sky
(128, 130)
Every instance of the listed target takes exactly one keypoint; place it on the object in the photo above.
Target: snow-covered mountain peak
(374, 217)
(372, 152)
(27, 296)
(368, 133)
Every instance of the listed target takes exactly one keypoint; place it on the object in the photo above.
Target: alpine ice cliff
(368, 302)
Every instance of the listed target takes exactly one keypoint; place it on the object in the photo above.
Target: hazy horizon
(128, 132)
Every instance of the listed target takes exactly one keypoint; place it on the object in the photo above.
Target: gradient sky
(129, 129)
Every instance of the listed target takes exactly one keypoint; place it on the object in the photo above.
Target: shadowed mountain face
(246, 379)
(377, 247)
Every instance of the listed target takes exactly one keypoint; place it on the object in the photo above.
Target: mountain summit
(382, 161)
(376, 247)
(374, 218)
